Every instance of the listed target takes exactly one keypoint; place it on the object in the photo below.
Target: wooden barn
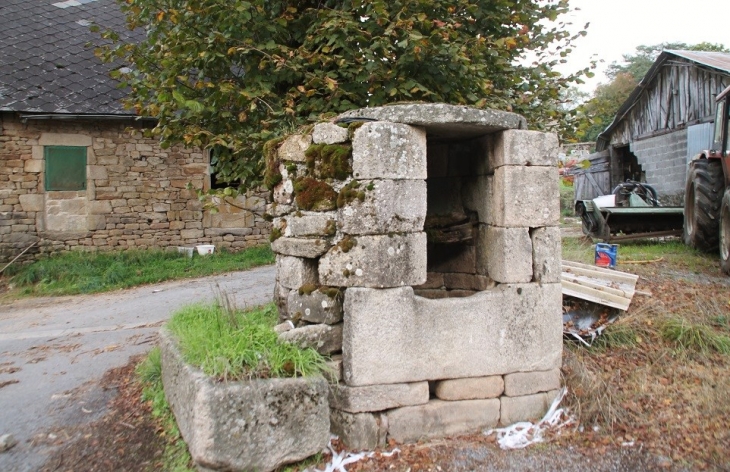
(665, 121)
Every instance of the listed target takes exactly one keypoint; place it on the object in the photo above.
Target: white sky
(617, 27)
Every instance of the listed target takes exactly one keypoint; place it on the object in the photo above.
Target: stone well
(421, 243)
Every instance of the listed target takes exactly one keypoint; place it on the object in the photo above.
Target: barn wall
(681, 94)
(664, 162)
(137, 195)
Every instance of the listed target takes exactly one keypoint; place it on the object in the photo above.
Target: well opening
(456, 184)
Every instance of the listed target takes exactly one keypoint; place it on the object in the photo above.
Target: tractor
(707, 197)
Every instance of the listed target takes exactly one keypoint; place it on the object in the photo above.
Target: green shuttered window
(65, 167)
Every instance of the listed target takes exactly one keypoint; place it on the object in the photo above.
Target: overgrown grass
(83, 272)
(695, 337)
(230, 344)
(176, 457)
(620, 334)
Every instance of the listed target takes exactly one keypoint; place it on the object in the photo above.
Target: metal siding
(699, 138)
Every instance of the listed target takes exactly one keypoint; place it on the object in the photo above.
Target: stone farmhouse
(76, 171)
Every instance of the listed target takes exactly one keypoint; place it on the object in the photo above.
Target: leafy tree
(235, 73)
(597, 113)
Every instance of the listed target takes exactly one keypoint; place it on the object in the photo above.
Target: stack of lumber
(599, 285)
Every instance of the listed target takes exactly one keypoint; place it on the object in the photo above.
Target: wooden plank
(596, 296)
(598, 272)
(626, 292)
(593, 183)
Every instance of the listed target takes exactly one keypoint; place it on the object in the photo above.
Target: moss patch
(307, 289)
(331, 228)
(331, 292)
(350, 193)
(272, 175)
(313, 194)
(275, 234)
(347, 243)
(329, 161)
(352, 128)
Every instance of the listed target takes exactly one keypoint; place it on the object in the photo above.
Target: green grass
(83, 272)
(672, 251)
(230, 344)
(567, 194)
(695, 337)
(175, 457)
(620, 334)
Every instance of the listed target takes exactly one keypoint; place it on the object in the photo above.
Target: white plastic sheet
(523, 434)
(341, 459)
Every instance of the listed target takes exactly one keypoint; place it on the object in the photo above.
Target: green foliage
(313, 194)
(236, 73)
(601, 109)
(84, 272)
(233, 345)
(176, 457)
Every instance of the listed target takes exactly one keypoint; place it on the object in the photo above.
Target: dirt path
(53, 351)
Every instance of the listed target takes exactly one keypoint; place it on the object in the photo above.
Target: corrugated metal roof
(716, 60)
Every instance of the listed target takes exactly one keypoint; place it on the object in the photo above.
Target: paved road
(57, 349)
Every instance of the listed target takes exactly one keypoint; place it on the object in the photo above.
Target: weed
(239, 345)
(620, 334)
(694, 337)
(175, 457)
(83, 272)
(595, 398)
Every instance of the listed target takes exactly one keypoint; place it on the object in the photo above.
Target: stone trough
(420, 244)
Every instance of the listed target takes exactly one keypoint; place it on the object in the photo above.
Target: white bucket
(188, 251)
(205, 249)
(605, 201)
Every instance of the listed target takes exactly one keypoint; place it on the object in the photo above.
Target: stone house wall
(137, 194)
(421, 247)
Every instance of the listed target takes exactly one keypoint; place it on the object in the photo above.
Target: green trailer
(631, 212)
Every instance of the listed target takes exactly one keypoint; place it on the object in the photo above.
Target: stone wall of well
(138, 195)
(424, 256)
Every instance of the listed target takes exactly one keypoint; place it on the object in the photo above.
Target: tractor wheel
(725, 233)
(702, 201)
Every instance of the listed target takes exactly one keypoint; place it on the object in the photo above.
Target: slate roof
(45, 63)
